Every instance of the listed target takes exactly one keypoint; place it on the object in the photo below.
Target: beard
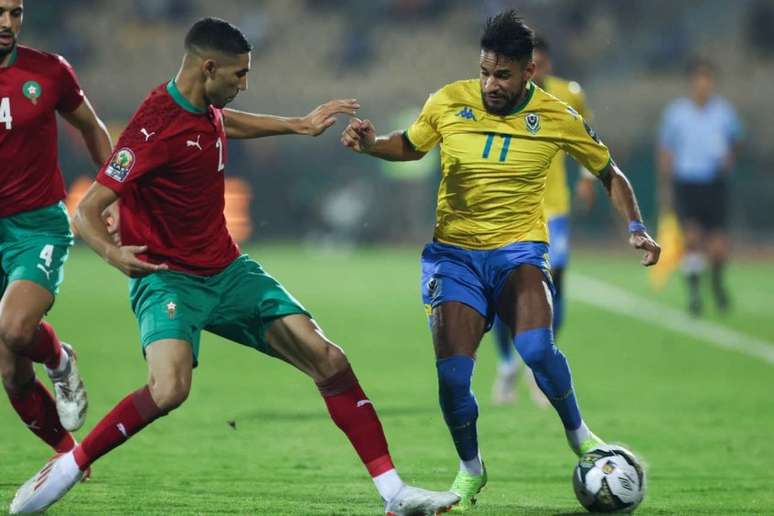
(4, 51)
(506, 102)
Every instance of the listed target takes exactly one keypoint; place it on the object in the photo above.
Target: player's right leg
(299, 341)
(170, 363)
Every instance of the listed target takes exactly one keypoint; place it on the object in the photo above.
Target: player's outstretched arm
(240, 124)
(93, 131)
(360, 136)
(624, 200)
(88, 221)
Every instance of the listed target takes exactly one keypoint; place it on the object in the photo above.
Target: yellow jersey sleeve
(423, 134)
(580, 141)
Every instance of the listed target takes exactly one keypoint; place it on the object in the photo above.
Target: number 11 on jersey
(488, 146)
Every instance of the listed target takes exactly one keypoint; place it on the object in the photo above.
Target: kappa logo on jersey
(121, 164)
(467, 114)
(32, 91)
(591, 132)
(532, 123)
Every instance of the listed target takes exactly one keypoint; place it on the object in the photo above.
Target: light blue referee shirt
(699, 138)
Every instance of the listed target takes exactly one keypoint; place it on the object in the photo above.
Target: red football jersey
(33, 87)
(167, 168)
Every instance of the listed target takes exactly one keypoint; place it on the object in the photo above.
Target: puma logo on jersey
(363, 403)
(146, 134)
(192, 143)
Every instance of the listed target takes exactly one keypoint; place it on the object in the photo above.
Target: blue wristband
(636, 226)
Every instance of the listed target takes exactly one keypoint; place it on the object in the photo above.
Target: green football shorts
(34, 246)
(238, 304)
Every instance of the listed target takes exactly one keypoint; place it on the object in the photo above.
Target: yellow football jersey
(557, 197)
(493, 168)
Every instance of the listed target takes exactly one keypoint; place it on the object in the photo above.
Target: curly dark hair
(506, 34)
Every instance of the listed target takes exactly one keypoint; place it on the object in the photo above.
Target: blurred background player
(696, 153)
(557, 211)
(188, 275)
(488, 254)
(35, 232)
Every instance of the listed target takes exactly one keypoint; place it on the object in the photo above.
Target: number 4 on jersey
(5, 112)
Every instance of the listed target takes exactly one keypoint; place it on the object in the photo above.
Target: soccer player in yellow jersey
(557, 211)
(498, 136)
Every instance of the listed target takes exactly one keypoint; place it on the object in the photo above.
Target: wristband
(636, 226)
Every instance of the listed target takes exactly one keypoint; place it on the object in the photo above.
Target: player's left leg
(298, 340)
(525, 305)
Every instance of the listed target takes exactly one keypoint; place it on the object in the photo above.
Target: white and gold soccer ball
(609, 479)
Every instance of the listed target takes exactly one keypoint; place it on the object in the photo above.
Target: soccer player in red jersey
(187, 274)
(35, 232)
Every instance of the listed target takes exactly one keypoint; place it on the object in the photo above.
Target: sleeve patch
(121, 164)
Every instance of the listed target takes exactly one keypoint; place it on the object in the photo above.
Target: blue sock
(459, 407)
(504, 341)
(551, 372)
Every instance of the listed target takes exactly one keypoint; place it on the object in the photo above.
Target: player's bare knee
(16, 333)
(331, 361)
(169, 393)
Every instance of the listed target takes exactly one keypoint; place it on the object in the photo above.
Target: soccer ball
(609, 479)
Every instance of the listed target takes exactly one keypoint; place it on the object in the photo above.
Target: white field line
(617, 300)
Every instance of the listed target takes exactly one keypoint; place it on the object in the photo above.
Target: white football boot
(48, 485)
(71, 400)
(413, 501)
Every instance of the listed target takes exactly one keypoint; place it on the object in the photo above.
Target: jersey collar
(12, 59)
(181, 100)
(530, 92)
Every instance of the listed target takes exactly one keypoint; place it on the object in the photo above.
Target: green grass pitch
(700, 417)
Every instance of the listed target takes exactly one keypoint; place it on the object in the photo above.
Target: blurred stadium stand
(391, 54)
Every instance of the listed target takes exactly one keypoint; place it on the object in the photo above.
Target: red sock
(353, 412)
(131, 415)
(46, 348)
(37, 409)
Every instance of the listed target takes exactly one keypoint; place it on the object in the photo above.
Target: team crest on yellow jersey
(532, 123)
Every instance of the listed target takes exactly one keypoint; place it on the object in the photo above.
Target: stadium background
(343, 233)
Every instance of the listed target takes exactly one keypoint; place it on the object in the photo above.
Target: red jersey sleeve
(70, 92)
(134, 156)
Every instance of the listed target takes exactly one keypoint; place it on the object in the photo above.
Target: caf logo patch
(121, 164)
(32, 90)
(532, 123)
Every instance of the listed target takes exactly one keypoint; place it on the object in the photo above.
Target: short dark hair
(216, 34)
(541, 44)
(699, 65)
(506, 34)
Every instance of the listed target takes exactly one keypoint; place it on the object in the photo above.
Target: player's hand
(110, 217)
(324, 116)
(123, 258)
(359, 135)
(642, 240)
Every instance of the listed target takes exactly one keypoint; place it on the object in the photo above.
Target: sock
(577, 436)
(552, 373)
(46, 348)
(459, 407)
(503, 339)
(388, 484)
(37, 409)
(131, 415)
(352, 411)
(473, 466)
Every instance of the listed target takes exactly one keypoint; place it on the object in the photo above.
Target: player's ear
(209, 67)
(529, 70)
